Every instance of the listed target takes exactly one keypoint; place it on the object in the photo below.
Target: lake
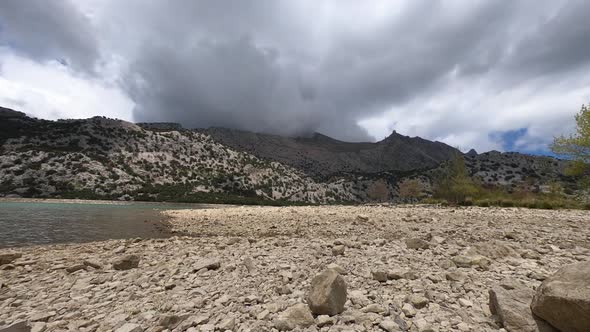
(29, 223)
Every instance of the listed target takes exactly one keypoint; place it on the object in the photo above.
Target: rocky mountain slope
(106, 158)
(114, 159)
(321, 156)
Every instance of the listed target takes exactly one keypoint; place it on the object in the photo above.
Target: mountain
(320, 156)
(114, 159)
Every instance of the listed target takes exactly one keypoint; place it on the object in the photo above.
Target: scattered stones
(126, 263)
(327, 293)
(563, 299)
(221, 284)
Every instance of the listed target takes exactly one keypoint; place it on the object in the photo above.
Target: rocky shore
(252, 269)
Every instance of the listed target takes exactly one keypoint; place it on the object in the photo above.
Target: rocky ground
(251, 268)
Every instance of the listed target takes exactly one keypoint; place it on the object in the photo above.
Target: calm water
(42, 223)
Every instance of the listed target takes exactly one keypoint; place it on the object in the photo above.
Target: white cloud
(51, 90)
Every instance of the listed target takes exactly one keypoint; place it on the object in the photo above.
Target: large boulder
(511, 304)
(327, 294)
(563, 299)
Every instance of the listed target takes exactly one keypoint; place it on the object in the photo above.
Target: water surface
(28, 223)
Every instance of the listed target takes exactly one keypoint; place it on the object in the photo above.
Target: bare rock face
(563, 299)
(296, 316)
(511, 303)
(126, 263)
(327, 294)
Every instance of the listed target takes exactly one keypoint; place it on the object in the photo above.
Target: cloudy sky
(504, 75)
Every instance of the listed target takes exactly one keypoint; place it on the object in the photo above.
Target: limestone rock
(126, 263)
(21, 326)
(415, 243)
(418, 301)
(327, 293)
(513, 309)
(8, 258)
(129, 327)
(380, 276)
(296, 316)
(563, 299)
(209, 264)
(338, 250)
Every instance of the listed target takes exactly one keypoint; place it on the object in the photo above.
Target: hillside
(321, 156)
(113, 159)
(106, 158)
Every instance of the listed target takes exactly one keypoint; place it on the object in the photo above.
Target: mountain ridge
(115, 159)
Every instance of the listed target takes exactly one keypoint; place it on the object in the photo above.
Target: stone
(42, 316)
(415, 243)
(465, 302)
(129, 327)
(456, 276)
(21, 326)
(494, 250)
(298, 315)
(380, 276)
(93, 264)
(395, 274)
(388, 325)
(338, 250)
(325, 320)
(471, 261)
(74, 268)
(8, 258)
(227, 324)
(563, 299)
(512, 307)
(339, 269)
(38, 327)
(417, 300)
(249, 264)
(327, 293)
(409, 310)
(126, 263)
(362, 217)
(171, 321)
(209, 264)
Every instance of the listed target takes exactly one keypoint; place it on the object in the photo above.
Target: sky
(483, 74)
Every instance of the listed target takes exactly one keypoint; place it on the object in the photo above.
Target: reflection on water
(24, 223)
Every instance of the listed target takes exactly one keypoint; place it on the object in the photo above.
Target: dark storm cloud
(295, 67)
(48, 30)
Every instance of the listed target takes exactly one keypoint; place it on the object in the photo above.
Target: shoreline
(242, 268)
(104, 202)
